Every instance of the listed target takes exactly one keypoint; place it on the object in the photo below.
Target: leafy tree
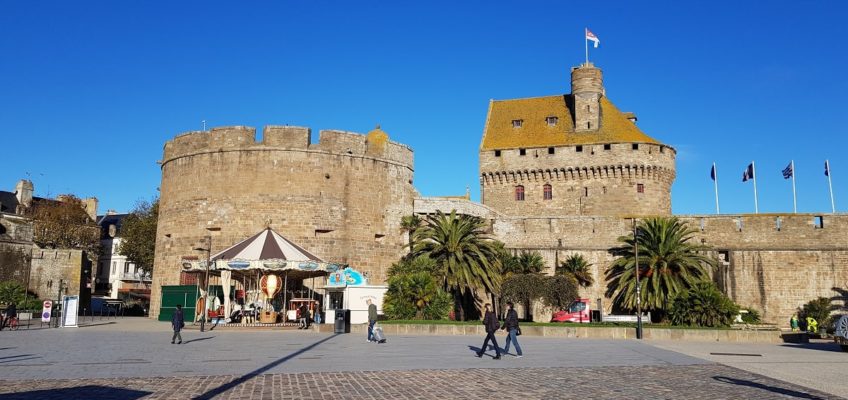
(524, 289)
(702, 305)
(410, 223)
(65, 224)
(138, 234)
(13, 292)
(577, 266)
(408, 265)
(462, 249)
(669, 263)
(415, 295)
(559, 291)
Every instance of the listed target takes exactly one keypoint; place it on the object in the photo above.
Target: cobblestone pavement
(708, 381)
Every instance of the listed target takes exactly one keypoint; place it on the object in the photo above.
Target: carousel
(259, 281)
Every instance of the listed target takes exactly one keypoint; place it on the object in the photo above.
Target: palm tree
(668, 264)
(526, 262)
(577, 266)
(421, 288)
(410, 223)
(464, 251)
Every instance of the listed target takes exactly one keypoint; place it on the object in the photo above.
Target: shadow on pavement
(198, 339)
(828, 346)
(477, 350)
(773, 389)
(19, 355)
(244, 378)
(91, 392)
(97, 324)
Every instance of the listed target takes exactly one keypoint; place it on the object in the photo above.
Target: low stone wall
(585, 332)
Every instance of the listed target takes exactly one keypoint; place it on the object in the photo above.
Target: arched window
(547, 192)
(519, 193)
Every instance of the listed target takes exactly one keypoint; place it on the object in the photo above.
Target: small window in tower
(522, 152)
(579, 149)
(635, 146)
(585, 192)
(519, 193)
(552, 121)
(517, 123)
(551, 150)
(607, 146)
(640, 188)
(588, 108)
(547, 192)
(589, 125)
(497, 153)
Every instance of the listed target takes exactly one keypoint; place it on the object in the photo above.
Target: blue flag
(749, 173)
(788, 171)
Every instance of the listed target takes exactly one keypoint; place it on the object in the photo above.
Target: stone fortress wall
(341, 199)
(599, 179)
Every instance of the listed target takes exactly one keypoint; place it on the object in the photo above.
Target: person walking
(490, 321)
(372, 319)
(305, 314)
(11, 313)
(511, 326)
(178, 323)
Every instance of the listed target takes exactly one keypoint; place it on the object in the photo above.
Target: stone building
(561, 175)
(116, 276)
(341, 198)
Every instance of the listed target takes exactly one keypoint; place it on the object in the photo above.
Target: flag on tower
(749, 173)
(712, 172)
(591, 36)
(788, 171)
(826, 168)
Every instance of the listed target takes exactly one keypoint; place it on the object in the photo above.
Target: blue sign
(346, 277)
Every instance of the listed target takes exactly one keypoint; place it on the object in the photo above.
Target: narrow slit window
(585, 192)
(777, 223)
(589, 125)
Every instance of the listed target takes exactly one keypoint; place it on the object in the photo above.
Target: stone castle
(559, 175)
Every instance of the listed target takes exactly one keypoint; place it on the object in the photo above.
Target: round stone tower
(570, 155)
(341, 199)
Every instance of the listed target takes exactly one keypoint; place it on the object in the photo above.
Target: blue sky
(89, 92)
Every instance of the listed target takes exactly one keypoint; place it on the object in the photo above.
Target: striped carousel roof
(266, 245)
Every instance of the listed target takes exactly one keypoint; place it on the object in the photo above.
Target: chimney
(90, 205)
(23, 192)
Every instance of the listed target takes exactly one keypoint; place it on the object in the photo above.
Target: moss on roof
(535, 131)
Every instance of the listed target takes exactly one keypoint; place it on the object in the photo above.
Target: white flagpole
(830, 186)
(794, 198)
(586, 42)
(756, 205)
(715, 182)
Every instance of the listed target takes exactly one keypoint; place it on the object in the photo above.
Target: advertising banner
(70, 308)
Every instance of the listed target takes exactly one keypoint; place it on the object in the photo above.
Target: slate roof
(8, 202)
(535, 131)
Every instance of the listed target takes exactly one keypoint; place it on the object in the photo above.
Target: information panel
(70, 308)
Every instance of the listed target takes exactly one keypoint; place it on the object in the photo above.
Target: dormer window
(552, 121)
(517, 123)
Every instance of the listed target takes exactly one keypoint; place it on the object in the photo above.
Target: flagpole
(830, 186)
(586, 42)
(794, 197)
(715, 182)
(756, 205)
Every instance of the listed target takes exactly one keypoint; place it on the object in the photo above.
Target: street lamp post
(208, 250)
(638, 285)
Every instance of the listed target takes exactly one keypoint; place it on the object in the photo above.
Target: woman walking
(177, 322)
(512, 329)
(490, 321)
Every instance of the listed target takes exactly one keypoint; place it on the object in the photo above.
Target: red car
(577, 311)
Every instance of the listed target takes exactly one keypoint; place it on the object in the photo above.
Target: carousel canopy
(266, 251)
(266, 245)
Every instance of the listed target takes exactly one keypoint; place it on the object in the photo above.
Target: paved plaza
(132, 358)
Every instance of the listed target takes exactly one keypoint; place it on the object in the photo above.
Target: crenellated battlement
(283, 138)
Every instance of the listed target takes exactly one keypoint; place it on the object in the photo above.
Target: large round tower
(570, 155)
(342, 198)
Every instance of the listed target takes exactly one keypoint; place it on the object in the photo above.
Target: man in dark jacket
(177, 322)
(11, 312)
(490, 321)
(511, 327)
